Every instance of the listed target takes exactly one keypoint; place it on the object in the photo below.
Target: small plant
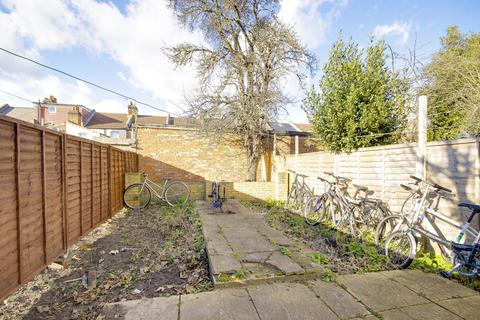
(285, 251)
(329, 275)
(318, 258)
(177, 233)
(275, 204)
(237, 276)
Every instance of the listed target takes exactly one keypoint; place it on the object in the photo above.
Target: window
(52, 109)
(114, 134)
(82, 134)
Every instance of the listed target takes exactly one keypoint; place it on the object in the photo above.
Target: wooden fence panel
(55, 188)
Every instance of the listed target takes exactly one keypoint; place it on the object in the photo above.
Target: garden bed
(158, 251)
(342, 253)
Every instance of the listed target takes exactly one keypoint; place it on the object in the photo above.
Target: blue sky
(118, 44)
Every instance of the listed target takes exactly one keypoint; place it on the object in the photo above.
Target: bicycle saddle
(359, 187)
(471, 206)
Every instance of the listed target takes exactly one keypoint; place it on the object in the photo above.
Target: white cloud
(400, 29)
(134, 40)
(311, 18)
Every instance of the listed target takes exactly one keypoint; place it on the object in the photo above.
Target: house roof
(290, 128)
(25, 114)
(103, 120)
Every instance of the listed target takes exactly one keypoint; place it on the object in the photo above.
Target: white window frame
(52, 109)
(114, 132)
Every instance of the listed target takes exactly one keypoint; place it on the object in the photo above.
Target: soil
(343, 253)
(158, 251)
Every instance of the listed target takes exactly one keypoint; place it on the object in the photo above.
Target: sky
(118, 44)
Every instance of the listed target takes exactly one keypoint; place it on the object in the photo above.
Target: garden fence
(55, 188)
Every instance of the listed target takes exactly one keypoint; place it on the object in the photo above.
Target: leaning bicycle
(139, 195)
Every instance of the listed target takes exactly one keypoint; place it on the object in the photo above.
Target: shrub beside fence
(54, 189)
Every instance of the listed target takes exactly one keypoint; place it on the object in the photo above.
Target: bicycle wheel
(137, 196)
(314, 210)
(400, 249)
(375, 214)
(176, 192)
(292, 196)
(409, 204)
(384, 229)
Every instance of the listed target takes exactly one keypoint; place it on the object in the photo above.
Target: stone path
(396, 295)
(243, 249)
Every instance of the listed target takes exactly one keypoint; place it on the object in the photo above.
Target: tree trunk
(252, 163)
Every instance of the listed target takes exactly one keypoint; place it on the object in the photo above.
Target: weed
(285, 251)
(329, 275)
(177, 233)
(318, 258)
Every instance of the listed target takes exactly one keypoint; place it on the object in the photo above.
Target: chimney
(132, 109)
(53, 99)
(169, 120)
(75, 116)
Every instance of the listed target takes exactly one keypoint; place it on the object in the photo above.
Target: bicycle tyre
(314, 210)
(400, 249)
(384, 228)
(173, 195)
(137, 196)
(292, 196)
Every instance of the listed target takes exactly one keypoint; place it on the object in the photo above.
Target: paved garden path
(395, 295)
(244, 250)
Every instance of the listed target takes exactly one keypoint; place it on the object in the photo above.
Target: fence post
(91, 186)
(64, 193)
(17, 180)
(421, 168)
(109, 171)
(81, 187)
(383, 173)
(44, 198)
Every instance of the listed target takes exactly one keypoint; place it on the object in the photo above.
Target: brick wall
(189, 155)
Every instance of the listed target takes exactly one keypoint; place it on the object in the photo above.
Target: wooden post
(91, 186)
(101, 183)
(81, 187)
(64, 194)
(44, 200)
(109, 171)
(421, 168)
(17, 180)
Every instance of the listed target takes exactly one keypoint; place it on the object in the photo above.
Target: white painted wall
(79, 131)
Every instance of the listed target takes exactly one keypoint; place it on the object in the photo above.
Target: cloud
(134, 39)
(311, 18)
(400, 29)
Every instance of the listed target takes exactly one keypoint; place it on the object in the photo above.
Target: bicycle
(343, 209)
(138, 195)
(401, 244)
(300, 191)
(466, 256)
(217, 200)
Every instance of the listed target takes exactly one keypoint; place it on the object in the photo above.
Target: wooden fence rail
(54, 188)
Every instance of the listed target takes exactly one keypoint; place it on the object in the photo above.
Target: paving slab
(467, 308)
(249, 245)
(153, 308)
(240, 232)
(338, 299)
(284, 264)
(226, 304)
(218, 246)
(379, 292)
(429, 285)
(289, 301)
(420, 312)
(226, 263)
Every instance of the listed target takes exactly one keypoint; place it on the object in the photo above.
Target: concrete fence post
(421, 168)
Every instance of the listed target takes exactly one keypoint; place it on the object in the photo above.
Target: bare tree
(249, 53)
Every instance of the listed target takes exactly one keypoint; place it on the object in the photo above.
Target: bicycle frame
(414, 224)
(149, 184)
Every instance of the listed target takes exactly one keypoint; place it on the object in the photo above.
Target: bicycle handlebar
(433, 184)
